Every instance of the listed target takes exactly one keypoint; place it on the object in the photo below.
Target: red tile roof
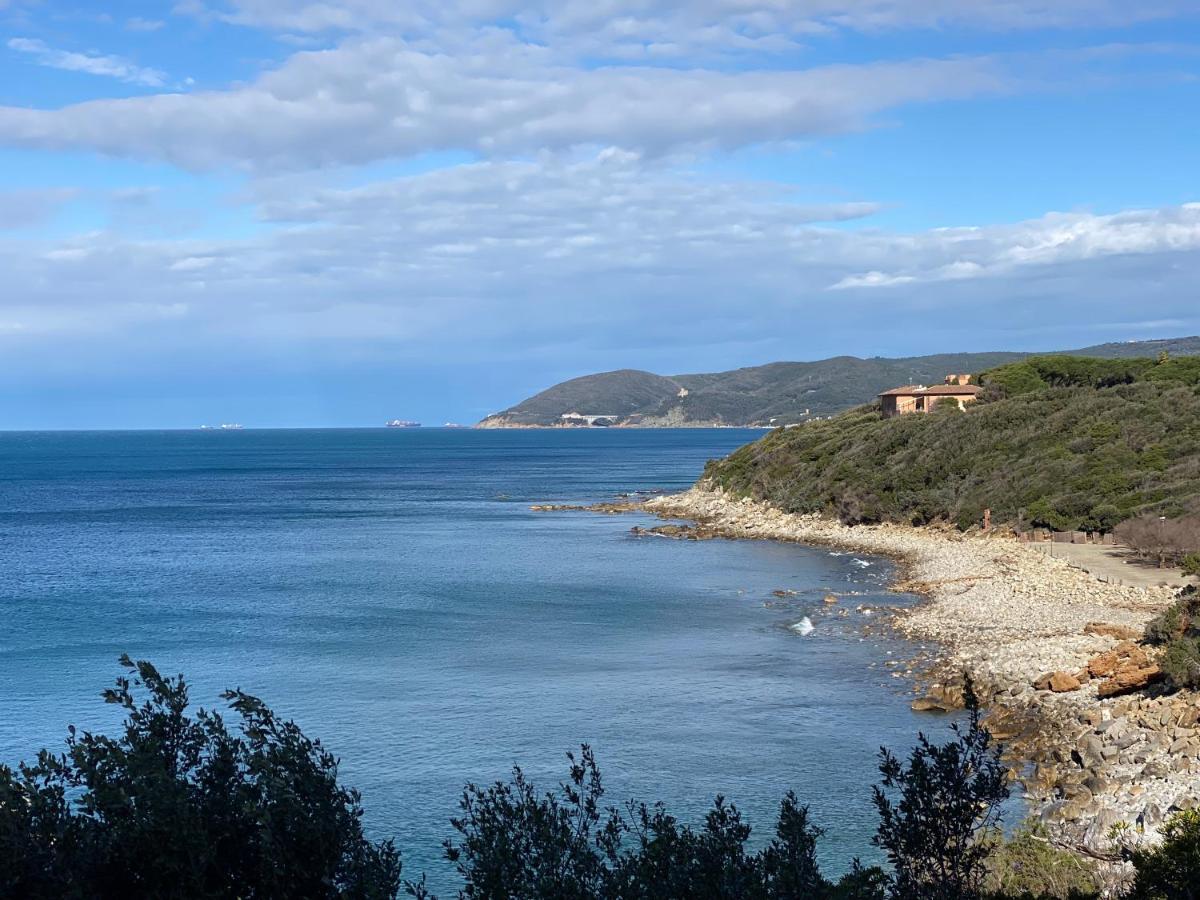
(938, 390)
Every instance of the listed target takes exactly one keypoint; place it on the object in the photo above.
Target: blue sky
(292, 212)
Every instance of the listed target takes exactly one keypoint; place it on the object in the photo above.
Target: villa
(917, 398)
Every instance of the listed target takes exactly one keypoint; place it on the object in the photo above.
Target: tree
(936, 834)
(180, 806)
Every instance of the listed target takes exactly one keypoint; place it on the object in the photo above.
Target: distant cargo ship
(403, 423)
(228, 426)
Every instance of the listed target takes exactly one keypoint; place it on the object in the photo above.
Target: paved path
(1113, 563)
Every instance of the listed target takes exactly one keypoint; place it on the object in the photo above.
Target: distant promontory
(781, 393)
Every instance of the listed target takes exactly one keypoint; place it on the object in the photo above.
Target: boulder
(1125, 655)
(928, 704)
(1058, 682)
(1129, 678)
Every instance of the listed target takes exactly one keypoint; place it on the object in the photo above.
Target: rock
(1058, 682)
(1129, 679)
(830, 598)
(1090, 749)
(928, 704)
(1155, 769)
(1124, 654)
(1120, 632)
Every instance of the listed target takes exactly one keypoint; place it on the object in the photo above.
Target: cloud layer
(528, 257)
(379, 98)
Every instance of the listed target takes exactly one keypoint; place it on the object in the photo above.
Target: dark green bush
(181, 807)
(1181, 618)
(1180, 662)
(938, 831)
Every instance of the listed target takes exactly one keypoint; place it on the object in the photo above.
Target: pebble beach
(1100, 773)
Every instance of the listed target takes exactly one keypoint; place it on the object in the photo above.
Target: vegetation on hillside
(1058, 442)
(777, 393)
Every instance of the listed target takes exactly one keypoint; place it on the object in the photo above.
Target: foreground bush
(936, 834)
(1171, 871)
(1028, 865)
(182, 807)
(514, 842)
(938, 811)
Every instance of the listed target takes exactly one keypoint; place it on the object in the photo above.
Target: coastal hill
(1054, 441)
(779, 393)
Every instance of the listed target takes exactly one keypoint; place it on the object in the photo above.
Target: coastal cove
(1103, 771)
(393, 592)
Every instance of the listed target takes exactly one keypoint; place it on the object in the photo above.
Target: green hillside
(775, 394)
(1060, 442)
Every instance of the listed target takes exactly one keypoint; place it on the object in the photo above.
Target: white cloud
(667, 22)
(968, 253)
(381, 98)
(139, 24)
(92, 64)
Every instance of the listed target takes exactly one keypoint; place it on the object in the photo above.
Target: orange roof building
(917, 398)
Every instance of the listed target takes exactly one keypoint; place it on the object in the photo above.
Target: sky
(305, 213)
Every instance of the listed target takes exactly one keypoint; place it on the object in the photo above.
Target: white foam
(803, 627)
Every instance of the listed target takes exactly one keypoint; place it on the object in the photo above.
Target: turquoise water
(392, 592)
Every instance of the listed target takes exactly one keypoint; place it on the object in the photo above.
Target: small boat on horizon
(402, 423)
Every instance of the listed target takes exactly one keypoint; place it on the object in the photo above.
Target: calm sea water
(392, 592)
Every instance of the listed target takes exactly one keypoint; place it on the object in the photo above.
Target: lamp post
(1162, 541)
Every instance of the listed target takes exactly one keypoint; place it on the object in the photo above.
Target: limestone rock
(1129, 678)
(1125, 654)
(1058, 682)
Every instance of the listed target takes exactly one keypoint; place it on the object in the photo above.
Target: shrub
(1029, 866)
(514, 842)
(1181, 663)
(179, 806)
(937, 835)
(1170, 871)
(1179, 619)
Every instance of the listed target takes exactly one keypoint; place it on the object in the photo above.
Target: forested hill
(1054, 441)
(775, 394)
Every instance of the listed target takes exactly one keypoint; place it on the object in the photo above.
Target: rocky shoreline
(1100, 773)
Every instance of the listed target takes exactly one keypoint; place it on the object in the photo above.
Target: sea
(392, 592)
